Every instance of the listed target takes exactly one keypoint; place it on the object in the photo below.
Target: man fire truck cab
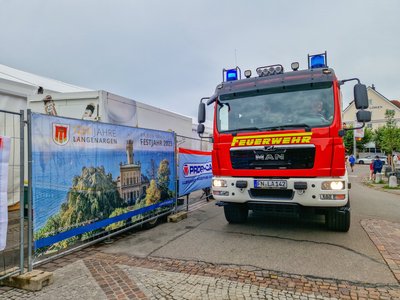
(277, 142)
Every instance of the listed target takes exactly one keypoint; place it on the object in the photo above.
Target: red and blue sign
(195, 170)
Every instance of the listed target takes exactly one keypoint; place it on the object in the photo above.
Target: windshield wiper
(299, 125)
(271, 128)
(242, 129)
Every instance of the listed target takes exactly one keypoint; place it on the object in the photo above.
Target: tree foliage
(349, 142)
(153, 193)
(163, 178)
(387, 137)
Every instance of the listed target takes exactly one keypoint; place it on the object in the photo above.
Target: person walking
(378, 164)
(352, 161)
(395, 160)
(371, 171)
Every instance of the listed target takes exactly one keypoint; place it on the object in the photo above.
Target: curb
(367, 183)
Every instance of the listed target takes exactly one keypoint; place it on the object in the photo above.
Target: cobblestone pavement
(386, 237)
(93, 274)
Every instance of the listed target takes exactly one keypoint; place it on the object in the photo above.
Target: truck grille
(271, 194)
(270, 158)
(281, 209)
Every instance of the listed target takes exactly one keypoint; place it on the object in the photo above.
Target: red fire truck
(278, 143)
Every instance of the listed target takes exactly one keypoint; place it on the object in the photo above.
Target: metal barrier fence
(85, 233)
(20, 238)
(12, 257)
(202, 144)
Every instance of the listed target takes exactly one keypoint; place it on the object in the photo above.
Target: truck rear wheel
(338, 219)
(236, 213)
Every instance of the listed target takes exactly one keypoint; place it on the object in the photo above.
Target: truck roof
(271, 81)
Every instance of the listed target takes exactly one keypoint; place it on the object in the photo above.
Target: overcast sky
(171, 53)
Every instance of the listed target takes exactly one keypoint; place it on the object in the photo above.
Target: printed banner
(358, 133)
(90, 178)
(5, 143)
(195, 170)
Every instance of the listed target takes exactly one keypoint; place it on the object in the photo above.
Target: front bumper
(301, 191)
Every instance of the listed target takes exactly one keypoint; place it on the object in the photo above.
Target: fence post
(30, 238)
(21, 189)
(176, 173)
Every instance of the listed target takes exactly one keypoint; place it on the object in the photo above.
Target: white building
(378, 104)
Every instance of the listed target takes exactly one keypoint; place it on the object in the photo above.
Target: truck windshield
(301, 106)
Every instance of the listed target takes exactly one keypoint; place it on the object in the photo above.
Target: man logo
(60, 134)
(269, 148)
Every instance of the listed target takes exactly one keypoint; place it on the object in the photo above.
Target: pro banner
(5, 143)
(90, 178)
(195, 170)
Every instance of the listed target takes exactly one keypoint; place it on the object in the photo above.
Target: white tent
(15, 88)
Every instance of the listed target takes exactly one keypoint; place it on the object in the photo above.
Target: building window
(369, 125)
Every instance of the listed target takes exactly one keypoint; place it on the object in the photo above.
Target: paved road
(299, 247)
(203, 257)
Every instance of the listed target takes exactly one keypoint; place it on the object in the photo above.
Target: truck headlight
(333, 185)
(219, 183)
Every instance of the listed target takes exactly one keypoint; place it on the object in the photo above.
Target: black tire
(361, 162)
(236, 213)
(339, 219)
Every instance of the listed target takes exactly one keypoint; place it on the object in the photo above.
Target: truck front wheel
(236, 213)
(338, 219)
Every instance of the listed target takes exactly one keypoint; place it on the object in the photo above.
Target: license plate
(270, 184)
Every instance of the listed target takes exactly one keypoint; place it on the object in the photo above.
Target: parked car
(370, 158)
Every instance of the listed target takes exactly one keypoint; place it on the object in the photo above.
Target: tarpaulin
(195, 170)
(4, 157)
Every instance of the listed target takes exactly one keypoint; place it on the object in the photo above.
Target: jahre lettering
(106, 132)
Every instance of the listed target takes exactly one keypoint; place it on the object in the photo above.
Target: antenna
(235, 57)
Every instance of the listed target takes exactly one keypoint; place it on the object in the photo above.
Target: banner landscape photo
(90, 178)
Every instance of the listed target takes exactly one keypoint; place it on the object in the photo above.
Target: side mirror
(363, 116)
(360, 96)
(200, 129)
(201, 117)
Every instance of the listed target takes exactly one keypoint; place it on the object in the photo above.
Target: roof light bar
(269, 70)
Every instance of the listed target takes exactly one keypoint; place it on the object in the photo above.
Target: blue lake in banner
(53, 173)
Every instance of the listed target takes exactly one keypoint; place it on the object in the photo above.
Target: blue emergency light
(317, 61)
(231, 75)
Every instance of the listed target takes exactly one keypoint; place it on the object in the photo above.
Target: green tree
(349, 142)
(153, 194)
(388, 137)
(163, 179)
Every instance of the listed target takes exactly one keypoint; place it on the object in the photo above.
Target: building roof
(396, 102)
(36, 81)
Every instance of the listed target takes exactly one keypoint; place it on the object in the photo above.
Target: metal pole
(354, 142)
(30, 239)
(21, 190)
(176, 172)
